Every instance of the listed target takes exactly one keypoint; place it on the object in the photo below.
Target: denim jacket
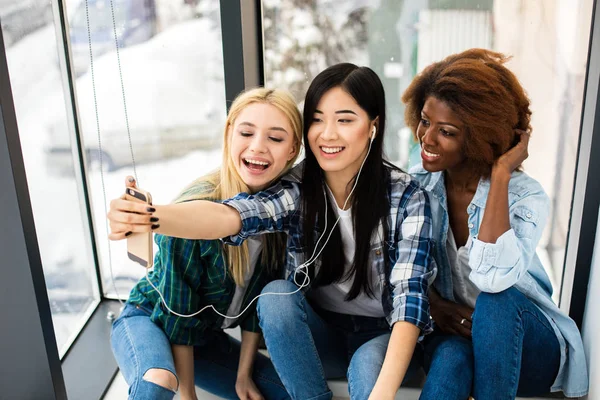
(511, 261)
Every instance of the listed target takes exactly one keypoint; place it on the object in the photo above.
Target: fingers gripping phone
(139, 244)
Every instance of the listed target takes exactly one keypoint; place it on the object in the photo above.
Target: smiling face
(339, 134)
(442, 137)
(261, 144)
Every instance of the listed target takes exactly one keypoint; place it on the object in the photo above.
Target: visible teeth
(332, 150)
(428, 154)
(256, 162)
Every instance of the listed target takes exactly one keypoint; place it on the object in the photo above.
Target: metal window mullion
(586, 192)
(79, 154)
(241, 30)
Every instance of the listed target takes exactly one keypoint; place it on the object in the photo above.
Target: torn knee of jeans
(162, 377)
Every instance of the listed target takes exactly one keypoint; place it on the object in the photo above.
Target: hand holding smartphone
(139, 244)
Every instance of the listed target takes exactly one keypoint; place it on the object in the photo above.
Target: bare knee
(162, 377)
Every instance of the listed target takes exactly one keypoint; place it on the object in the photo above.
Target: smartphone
(139, 244)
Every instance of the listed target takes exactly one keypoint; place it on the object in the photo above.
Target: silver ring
(462, 321)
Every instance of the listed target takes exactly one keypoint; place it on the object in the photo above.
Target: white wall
(591, 323)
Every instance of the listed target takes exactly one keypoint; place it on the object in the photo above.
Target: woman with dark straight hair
(359, 247)
(498, 333)
(369, 225)
(370, 203)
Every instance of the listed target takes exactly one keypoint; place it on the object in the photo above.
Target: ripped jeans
(140, 345)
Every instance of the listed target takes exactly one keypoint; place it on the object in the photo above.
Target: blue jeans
(139, 345)
(514, 352)
(309, 346)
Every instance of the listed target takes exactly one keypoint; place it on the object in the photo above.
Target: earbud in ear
(373, 132)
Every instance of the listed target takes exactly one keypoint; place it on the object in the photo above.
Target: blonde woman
(160, 353)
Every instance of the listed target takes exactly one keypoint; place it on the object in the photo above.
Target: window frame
(25, 315)
(584, 214)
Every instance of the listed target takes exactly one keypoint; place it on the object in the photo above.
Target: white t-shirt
(255, 245)
(465, 291)
(331, 297)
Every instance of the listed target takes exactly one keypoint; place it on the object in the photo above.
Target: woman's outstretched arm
(200, 219)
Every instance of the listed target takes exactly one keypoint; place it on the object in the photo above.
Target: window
(154, 117)
(59, 210)
(397, 39)
(152, 89)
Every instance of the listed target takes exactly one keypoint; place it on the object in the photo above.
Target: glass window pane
(547, 39)
(159, 99)
(58, 210)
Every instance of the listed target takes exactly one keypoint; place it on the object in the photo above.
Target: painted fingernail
(155, 226)
(153, 219)
(128, 233)
(150, 209)
(131, 179)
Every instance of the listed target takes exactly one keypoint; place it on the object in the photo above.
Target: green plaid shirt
(192, 274)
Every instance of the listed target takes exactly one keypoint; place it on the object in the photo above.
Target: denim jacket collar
(436, 186)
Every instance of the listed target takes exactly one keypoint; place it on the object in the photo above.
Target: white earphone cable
(303, 268)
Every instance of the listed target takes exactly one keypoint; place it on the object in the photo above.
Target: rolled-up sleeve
(498, 266)
(270, 210)
(250, 323)
(414, 269)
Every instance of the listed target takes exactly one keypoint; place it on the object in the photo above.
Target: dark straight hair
(370, 200)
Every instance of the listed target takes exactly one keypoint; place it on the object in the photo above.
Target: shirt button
(471, 226)
(528, 215)
(472, 206)
(378, 252)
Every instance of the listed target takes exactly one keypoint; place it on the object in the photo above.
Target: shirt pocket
(524, 221)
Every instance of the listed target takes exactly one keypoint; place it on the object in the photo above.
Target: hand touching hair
(485, 95)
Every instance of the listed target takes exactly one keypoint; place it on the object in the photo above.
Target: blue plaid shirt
(408, 245)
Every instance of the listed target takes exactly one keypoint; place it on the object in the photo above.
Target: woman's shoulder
(522, 184)
(397, 174)
(201, 188)
(525, 194)
(403, 183)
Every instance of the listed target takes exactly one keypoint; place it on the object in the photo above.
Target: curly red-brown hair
(485, 95)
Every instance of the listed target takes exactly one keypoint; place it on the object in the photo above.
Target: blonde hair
(225, 182)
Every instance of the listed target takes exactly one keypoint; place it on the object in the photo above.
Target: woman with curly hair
(491, 301)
